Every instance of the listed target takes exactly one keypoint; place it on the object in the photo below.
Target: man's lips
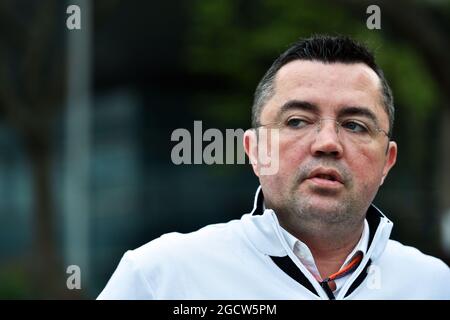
(325, 183)
(324, 177)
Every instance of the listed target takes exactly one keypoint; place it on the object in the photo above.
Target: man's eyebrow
(358, 111)
(310, 107)
(297, 105)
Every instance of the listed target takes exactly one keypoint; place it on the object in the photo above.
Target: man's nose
(327, 141)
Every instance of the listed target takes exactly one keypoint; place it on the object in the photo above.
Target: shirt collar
(302, 251)
(292, 241)
(362, 244)
(260, 226)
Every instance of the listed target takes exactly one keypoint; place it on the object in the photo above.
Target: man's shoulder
(151, 270)
(212, 237)
(411, 257)
(407, 267)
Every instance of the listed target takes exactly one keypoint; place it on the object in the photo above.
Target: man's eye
(354, 126)
(296, 123)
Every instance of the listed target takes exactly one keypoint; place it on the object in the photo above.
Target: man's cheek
(365, 167)
(366, 179)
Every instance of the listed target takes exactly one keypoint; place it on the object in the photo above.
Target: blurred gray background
(86, 118)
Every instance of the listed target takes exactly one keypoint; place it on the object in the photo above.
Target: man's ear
(391, 158)
(250, 142)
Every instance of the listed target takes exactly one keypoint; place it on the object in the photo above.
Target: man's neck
(329, 249)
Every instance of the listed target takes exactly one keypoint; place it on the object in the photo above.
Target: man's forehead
(308, 73)
(326, 85)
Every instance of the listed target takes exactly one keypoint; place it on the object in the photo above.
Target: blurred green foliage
(238, 40)
(15, 282)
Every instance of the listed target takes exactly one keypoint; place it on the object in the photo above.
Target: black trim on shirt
(325, 286)
(259, 210)
(373, 217)
(359, 279)
(290, 268)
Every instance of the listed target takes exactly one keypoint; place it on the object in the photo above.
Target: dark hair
(326, 49)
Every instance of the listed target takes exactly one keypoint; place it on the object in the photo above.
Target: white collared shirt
(243, 259)
(305, 256)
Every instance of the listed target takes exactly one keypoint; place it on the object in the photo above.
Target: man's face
(323, 177)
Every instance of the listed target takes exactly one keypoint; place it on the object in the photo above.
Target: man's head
(327, 50)
(334, 112)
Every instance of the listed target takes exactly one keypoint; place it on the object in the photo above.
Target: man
(313, 232)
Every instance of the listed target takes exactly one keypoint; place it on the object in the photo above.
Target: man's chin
(321, 202)
(325, 207)
(320, 193)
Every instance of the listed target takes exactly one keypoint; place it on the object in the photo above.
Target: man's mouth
(326, 178)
